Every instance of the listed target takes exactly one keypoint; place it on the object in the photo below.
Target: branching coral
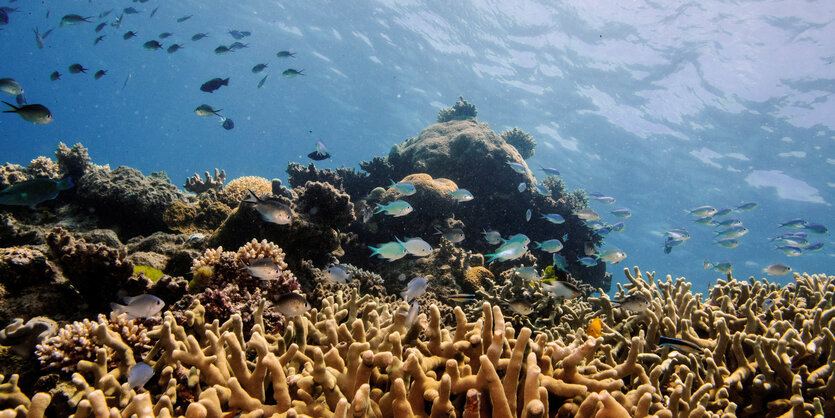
(521, 140)
(81, 340)
(460, 111)
(195, 184)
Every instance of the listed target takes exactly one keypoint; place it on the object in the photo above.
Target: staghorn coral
(80, 341)
(462, 110)
(238, 189)
(195, 184)
(357, 353)
(521, 140)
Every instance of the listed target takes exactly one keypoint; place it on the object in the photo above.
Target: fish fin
(253, 198)
(375, 251)
(379, 209)
(15, 108)
(117, 308)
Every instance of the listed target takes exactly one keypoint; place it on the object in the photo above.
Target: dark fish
(214, 84)
(184, 18)
(55, 76)
(77, 68)
(38, 39)
(290, 73)
(20, 100)
(98, 39)
(45, 34)
(152, 45)
(222, 50)
(174, 48)
(228, 124)
(99, 74)
(236, 34)
(261, 83)
(118, 22)
(129, 34)
(285, 54)
(100, 26)
(206, 110)
(130, 11)
(31, 192)
(634, 303)
(72, 19)
(258, 68)
(105, 13)
(165, 35)
(35, 113)
(153, 12)
(321, 152)
(4, 17)
(237, 45)
(199, 36)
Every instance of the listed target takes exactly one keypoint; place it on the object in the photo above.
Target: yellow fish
(595, 328)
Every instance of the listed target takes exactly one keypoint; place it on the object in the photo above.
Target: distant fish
(613, 255)
(101, 26)
(461, 297)
(258, 68)
(560, 289)
(338, 273)
(730, 222)
(492, 236)
(73, 19)
(285, 54)
(777, 269)
(271, 210)
(99, 74)
(98, 39)
(20, 100)
(404, 187)
(184, 18)
(732, 232)
(461, 195)
(199, 36)
(396, 208)
(55, 76)
(560, 262)
(411, 315)
(214, 84)
(541, 190)
(517, 167)
(222, 49)
(727, 242)
(508, 251)
(521, 306)
(791, 251)
(130, 11)
(522, 186)
(554, 218)
(236, 46)
(618, 227)
(634, 303)
(606, 200)
(38, 39)
(239, 34)
(622, 213)
(292, 305)
(227, 123)
(139, 374)
(817, 246)
(105, 13)
(261, 83)
(205, 110)
(528, 214)
(454, 235)
(520, 238)
(290, 73)
(587, 214)
(748, 206)
(679, 344)
(153, 12)
(550, 171)
(142, 306)
(721, 266)
(818, 229)
(77, 68)
(31, 192)
(796, 223)
(320, 153)
(587, 261)
(415, 288)
(174, 48)
(527, 273)
(152, 45)
(34, 113)
(723, 212)
(701, 211)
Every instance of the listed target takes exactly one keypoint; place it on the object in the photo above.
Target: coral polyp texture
(360, 355)
(521, 140)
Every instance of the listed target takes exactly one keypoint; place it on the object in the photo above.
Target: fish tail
(225, 82)
(380, 208)
(15, 108)
(374, 250)
(66, 183)
(492, 257)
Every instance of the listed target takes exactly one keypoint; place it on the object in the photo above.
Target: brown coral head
(476, 274)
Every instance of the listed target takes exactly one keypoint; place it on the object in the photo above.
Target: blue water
(662, 107)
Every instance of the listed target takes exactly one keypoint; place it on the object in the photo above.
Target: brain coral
(238, 189)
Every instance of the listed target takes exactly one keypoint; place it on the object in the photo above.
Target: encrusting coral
(358, 355)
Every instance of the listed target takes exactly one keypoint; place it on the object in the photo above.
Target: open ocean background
(664, 106)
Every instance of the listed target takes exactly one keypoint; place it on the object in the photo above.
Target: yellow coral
(476, 274)
(238, 189)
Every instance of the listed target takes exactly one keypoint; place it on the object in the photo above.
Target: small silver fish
(263, 269)
(271, 210)
(521, 306)
(292, 304)
(411, 316)
(777, 269)
(415, 288)
(139, 374)
(454, 235)
(338, 273)
(142, 306)
(634, 303)
(560, 289)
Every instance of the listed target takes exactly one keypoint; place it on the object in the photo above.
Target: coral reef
(359, 354)
(195, 184)
(325, 205)
(238, 189)
(462, 110)
(23, 338)
(21, 267)
(521, 140)
(74, 161)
